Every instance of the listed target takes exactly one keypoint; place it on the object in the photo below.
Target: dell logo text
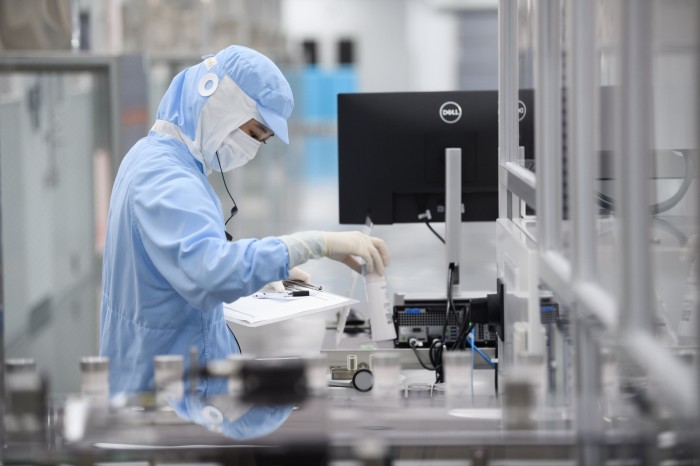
(522, 110)
(450, 112)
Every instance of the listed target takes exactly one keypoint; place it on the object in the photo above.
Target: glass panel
(55, 173)
(675, 142)
(673, 197)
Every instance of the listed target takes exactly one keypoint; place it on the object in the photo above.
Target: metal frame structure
(627, 314)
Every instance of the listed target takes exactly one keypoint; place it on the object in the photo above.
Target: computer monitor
(391, 153)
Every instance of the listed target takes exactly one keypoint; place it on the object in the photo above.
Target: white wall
(401, 45)
(433, 41)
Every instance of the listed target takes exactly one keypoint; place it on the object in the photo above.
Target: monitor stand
(453, 212)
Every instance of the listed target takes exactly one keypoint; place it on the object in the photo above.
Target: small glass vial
(687, 326)
(26, 401)
(418, 390)
(17, 365)
(317, 374)
(438, 393)
(235, 385)
(94, 379)
(351, 362)
(457, 366)
(169, 370)
(519, 399)
(386, 370)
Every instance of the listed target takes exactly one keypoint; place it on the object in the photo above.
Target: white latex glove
(295, 273)
(341, 246)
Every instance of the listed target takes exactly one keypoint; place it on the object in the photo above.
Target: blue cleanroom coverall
(167, 264)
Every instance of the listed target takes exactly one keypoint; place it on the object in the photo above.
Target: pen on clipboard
(286, 294)
(297, 283)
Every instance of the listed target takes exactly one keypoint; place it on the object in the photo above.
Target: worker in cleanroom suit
(168, 267)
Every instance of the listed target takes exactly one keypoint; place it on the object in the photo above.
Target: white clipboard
(254, 312)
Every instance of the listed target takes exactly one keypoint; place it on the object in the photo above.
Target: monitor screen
(391, 153)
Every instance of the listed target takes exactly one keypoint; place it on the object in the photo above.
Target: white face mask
(235, 151)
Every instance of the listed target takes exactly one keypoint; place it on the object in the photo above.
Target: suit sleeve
(182, 231)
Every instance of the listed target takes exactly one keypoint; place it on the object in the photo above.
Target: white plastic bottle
(380, 311)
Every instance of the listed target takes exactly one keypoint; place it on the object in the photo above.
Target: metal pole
(2, 335)
(581, 123)
(632, 165)
(548, 123)
(453, 212)
(581, 17)
(507, 96)
(697, 229)
(588, 392)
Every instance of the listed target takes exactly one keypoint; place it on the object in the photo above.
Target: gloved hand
(295, 273)
(341, 246)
